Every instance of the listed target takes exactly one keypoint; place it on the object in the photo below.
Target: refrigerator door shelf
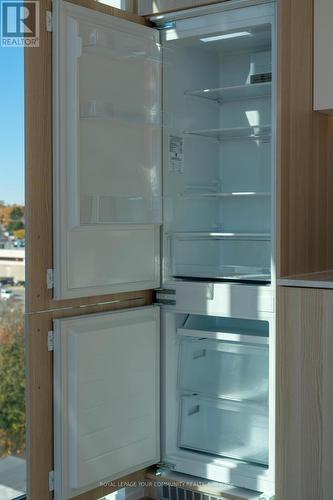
(98, 41)
(141, 115)
(115, 209)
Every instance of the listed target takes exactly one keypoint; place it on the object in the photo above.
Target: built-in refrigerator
(164, 178)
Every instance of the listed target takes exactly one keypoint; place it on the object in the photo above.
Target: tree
(19, 234)
(15, 225)
(12, 381)
(16, 213)
(8, 211)
(4, 214)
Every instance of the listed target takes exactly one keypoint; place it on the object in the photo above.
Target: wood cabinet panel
(304, 402)
(304, 153)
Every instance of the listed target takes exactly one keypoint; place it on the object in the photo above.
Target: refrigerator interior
(216, 397)
(217, 175)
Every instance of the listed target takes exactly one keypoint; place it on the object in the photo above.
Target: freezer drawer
(224, 357)
(224, 428)
(230, 370)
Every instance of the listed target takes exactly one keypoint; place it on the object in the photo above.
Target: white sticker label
(176, 154)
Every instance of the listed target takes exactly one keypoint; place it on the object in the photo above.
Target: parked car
(6, 294)
(4, 280)
(19, 243)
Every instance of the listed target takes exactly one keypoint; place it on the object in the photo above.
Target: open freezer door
(107, 153)
(106, 397)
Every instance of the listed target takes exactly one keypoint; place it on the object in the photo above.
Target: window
(12, 276)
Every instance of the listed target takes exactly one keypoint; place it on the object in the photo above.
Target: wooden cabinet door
(305, 403)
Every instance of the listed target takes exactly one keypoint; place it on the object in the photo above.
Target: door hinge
(51, 480)
(50, 278)
(50, 341)
(167, 26)
(166, 296)
(163, 466)
(49, 21)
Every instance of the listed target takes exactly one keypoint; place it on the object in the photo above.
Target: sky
(11, 125)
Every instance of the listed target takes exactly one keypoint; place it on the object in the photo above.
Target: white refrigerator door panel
(107, 153)
(106, 406)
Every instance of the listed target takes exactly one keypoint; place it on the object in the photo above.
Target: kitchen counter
(323, 279)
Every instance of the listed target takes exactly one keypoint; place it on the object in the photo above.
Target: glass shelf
(244, 194)
(195, 235)
(254, 132)
(227, 273)
(226, 329)
(227, 94)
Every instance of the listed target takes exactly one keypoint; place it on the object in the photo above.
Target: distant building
(12, 263)
(5, 241)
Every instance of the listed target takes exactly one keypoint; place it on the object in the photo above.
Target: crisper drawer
(221, 256)
(224, 369)
(224, 428)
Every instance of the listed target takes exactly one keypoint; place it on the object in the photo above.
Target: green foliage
(12, 381)
(15, 226)
(16, 213)
(19, 234)
(10, 213)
